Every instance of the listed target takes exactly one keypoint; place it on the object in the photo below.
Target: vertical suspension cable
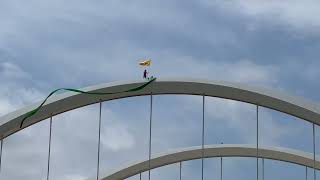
(49, 148)
(221, 165)
(202, 151)
(1, 154)
(180, 170)
(99, 141)
(150, 135)
(220, 168)
(140, 176)
(262, 168)
(314, 152)
(257, 142)
(306, 172)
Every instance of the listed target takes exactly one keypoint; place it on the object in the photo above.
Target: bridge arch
(291, 105)
(224, 150)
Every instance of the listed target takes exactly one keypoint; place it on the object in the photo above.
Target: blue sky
(49, 44)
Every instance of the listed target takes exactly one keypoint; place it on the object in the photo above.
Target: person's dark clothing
(145, 74)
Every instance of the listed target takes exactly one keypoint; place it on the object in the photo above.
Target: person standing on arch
(145, 74)
(145, 64)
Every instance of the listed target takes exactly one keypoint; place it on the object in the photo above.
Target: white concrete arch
(224, 150)
(295, 106)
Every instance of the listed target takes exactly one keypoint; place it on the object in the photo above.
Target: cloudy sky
(49, 44)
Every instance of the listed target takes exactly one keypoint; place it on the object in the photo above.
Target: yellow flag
(145, 63)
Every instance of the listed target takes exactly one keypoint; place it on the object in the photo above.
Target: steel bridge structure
(259, 97)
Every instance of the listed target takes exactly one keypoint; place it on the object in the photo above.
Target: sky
(45, 45)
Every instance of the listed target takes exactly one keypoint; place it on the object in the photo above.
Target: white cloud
(244, 71)
(310, 71)
(272, 133)
(241, 117)
(19, 153)
(6, 106)
(117, 137)
(303, 15)
(13, 94)
(12, 71)
(34, 23)
(74, 177)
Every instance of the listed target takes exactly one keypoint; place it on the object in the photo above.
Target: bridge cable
(221, 168)
(257, 142)
(262, 168)
(99, 141)
(314, 151)
(180, 170)
(202, 151)
(306, 172)
(1, 153)
(49, 148)
(150, 135)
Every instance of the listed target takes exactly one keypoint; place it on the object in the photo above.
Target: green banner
(33, 112)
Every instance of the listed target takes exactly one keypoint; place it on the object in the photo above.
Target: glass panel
(124, 133)
(25, 153)
(177, 122)
(74, 144)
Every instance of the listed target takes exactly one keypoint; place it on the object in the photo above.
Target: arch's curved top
(224, 150)
(295, 106)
